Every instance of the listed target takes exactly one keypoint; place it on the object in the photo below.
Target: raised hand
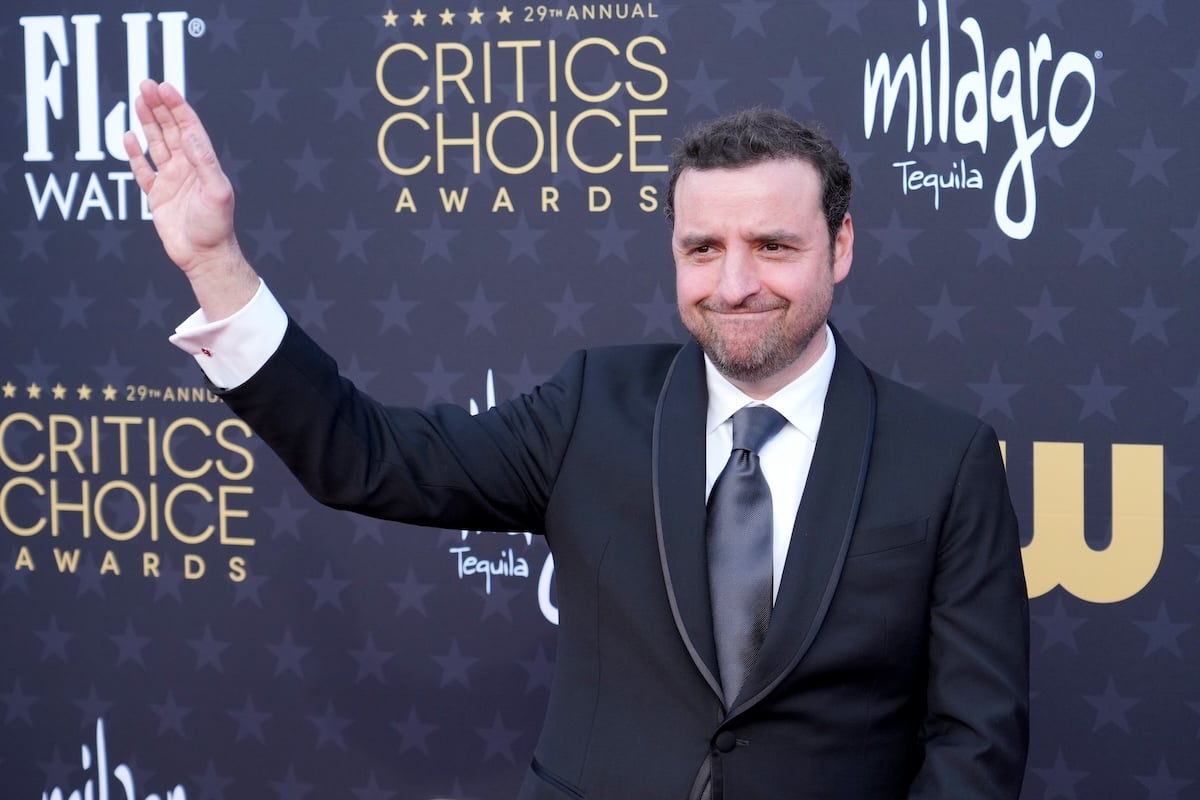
(191, 200)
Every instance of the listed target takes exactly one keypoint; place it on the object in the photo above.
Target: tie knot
(753, 426)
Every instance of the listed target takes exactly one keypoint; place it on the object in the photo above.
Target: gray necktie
(739, 549)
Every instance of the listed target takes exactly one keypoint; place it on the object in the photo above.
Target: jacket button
(725, 741)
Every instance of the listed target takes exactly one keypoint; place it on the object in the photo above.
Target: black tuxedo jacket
(896, 660)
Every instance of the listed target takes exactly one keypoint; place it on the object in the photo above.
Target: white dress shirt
(231, 350)
(786, 457)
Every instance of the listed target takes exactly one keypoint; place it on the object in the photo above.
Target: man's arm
(191, 199)
(976, 729)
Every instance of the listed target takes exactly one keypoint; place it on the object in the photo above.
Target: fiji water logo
(100, 784)
(1035, 94)
(67, 123)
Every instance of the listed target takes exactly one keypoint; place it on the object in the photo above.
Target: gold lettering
(169, 456)
(110, 564)
(444, 141)
(635, 138)
(225, 513)
(1059, 555)
(575, 159)
(403, 47)
(405, 201)
(649, 195)
(169, 518)
(599, 198)
(519, 61)
(663, 81)
(453, 200)
(57, 505)
(538, 136)
(237, 569)
(123, 424)
(98, 510)
(381, 145)
(502, 201)
(68, 448)
(8, 521)
(569, 73)
(444, 76)
(193, 567)
(247, 456)
(67, 560)
(24, 560)
(4, 455)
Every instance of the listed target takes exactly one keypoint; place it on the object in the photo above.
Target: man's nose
(739, 277)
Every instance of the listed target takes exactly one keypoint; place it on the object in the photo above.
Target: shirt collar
(801, 402)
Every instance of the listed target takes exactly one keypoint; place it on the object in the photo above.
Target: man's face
(754, 270)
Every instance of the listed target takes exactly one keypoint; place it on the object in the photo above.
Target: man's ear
(843, 249)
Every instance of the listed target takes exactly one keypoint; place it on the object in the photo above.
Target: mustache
(749, 305)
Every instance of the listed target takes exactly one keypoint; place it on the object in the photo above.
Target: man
(895, 660)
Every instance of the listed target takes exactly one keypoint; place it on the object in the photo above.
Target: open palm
(190, 197)
(191, 200)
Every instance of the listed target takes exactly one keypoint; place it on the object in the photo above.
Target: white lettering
(44, 79)
(99, 786)
(100, 192)
(1008, 94)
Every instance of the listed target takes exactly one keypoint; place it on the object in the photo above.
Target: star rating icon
(504, 15)
(59, 391)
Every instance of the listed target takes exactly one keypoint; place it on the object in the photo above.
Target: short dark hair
(761, 134)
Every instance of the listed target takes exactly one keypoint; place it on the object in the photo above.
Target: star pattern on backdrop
(1111, 708)
(1045, 319)
(336, 630)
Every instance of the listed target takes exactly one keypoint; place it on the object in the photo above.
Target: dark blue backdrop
(454, 197)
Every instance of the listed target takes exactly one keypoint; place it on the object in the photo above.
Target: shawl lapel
(824, 522)
(820, 537)
(679, 513)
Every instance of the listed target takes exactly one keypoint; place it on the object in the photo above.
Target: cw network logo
(1060, 555)
(1032, 95)
(64, 65)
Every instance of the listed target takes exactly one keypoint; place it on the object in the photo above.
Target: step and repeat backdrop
(454, 195)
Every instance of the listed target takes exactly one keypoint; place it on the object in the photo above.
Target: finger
(165, 118)
(142, 171)
(150, 127)
(192, 137)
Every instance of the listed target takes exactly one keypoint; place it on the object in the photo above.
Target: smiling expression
(755, 268)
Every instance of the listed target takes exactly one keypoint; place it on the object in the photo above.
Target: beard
(749, 356)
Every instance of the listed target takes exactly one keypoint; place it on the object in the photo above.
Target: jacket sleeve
(976, 728)
(441, 467)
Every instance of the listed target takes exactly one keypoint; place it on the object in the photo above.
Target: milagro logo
(1010, 94)
(486, 561)
(100, 777)
(64, 53)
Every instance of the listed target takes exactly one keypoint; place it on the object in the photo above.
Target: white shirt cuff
(231, 350)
